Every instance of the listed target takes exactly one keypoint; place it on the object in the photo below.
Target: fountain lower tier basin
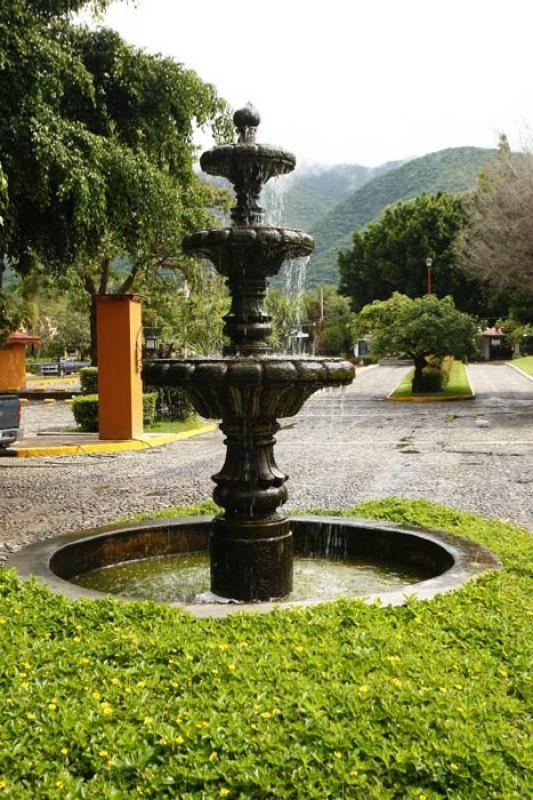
(335, 557)
(262, 387)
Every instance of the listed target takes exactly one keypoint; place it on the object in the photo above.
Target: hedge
(89, 380)
(85, 410)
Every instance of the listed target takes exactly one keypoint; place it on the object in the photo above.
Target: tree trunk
(417, 385)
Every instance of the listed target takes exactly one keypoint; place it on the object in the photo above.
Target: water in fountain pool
(185, 578)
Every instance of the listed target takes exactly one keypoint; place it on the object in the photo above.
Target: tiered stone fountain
(251, 543)
(247, 388)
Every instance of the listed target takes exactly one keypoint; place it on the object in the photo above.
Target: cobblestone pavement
(345, 446)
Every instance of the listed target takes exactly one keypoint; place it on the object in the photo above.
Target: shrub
(89, 380)
(369, 359)
(85, 410)
(171, 403)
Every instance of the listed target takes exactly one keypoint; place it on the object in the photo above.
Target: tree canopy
(497, 244)
(419, 328)
(390, 255)
(96, 142)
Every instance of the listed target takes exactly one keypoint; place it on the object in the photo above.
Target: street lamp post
(429, 264)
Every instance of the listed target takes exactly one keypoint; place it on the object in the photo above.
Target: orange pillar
(13, 361)
(119, 338)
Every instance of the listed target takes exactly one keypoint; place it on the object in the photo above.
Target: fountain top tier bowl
(248, 165)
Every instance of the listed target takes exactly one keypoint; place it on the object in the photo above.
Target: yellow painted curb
(49, 400)
(145, 442)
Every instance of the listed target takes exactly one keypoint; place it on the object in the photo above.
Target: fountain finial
(246, 121)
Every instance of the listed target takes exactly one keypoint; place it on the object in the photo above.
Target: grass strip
(525, 363)
(458, 386)
(176, 426)
(429, 701)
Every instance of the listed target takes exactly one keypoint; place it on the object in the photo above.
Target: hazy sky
(362, 81)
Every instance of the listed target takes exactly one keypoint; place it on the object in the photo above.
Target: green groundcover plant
(430, 700)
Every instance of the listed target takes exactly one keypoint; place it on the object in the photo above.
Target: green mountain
(311, 192)
(452, 170)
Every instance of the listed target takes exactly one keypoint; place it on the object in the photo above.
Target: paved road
(346, 446)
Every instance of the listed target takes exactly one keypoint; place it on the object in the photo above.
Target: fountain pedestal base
(251, 560)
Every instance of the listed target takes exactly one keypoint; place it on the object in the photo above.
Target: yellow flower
(396, 682)
(393, 659)
(103, 753)
(84, 660)
(213, 756)
(363, 689)
(224, 792)
(115, 681)
(423, 797)
(337, 754)
(179, 740)
(52, 707)
(76, 639)
(25, 685)
(26, 665)
(107, 709)
(96, 695)
(299, 649)
(3, 620)
(232, 667)
(3, 784)
(354, 772)
(454, 766)
(64, 751)
(30, 715)
(266, 714)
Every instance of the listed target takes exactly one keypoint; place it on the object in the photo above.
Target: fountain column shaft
(251, 543)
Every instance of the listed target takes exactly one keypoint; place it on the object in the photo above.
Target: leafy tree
(497, 245)
(421, 328)
(333, 321)
(390, 255)
(96, 142)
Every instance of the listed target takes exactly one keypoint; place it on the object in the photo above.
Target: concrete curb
(521, 371)
(146, 442)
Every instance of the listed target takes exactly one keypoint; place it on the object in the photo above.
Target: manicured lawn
(458, 385)
(107, 700)
(525, 363)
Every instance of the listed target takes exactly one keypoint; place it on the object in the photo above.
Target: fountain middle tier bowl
(259, 246)
(268, 386)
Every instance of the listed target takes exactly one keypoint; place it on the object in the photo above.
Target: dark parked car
(63, 366)
(9, 419)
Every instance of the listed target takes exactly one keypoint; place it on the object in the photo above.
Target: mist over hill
(451, 170)
(312, 191)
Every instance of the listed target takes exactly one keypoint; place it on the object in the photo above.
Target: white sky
(361, 81)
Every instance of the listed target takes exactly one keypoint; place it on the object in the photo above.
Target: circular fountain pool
(335, 557)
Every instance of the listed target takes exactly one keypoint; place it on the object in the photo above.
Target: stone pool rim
(469, 558)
